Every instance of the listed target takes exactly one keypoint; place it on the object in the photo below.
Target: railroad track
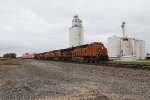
(118, 65)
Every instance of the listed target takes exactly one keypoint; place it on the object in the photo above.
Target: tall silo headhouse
(76, 36)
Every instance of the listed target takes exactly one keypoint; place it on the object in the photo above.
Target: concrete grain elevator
(125, 48)
(76, 32)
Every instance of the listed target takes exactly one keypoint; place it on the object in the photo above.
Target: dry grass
(7, 61)
(3, 61)
(146, 62)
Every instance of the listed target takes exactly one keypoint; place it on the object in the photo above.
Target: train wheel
(97, 59)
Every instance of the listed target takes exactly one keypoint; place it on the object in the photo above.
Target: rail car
(93, 52)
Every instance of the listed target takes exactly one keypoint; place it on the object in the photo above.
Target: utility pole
(123, 29)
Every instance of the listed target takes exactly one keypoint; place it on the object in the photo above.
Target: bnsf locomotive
(93, 52)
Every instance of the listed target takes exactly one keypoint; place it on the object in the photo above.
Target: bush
(9, 55)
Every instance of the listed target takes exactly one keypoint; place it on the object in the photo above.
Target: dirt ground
(48, 80)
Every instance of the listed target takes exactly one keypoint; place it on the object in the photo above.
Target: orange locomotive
(93, 52)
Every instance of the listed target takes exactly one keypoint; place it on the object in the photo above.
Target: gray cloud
(43, 25)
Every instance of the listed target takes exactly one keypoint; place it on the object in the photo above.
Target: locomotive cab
(99, 50)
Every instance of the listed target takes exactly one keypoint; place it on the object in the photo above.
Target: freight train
(93, 52)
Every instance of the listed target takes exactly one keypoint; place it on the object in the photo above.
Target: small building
(28, 55)
(76, 32)
(126, 47)
(128, 58)
(147, 56)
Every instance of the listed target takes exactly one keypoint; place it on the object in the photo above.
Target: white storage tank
(140, 49)
(114, 44)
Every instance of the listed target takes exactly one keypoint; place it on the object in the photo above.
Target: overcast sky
(43, 25)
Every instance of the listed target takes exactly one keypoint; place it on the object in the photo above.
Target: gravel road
(49, 80)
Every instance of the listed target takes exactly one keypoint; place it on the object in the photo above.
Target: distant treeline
(9, 55)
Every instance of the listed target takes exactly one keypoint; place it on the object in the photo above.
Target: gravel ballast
(50, 80)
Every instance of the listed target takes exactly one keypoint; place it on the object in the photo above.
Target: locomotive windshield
(97, 45)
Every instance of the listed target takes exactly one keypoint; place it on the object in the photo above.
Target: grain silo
(140, 49)
(143, 49)
(114, 44)
(126, 48)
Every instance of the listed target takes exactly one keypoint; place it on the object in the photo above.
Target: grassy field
(147, 62)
